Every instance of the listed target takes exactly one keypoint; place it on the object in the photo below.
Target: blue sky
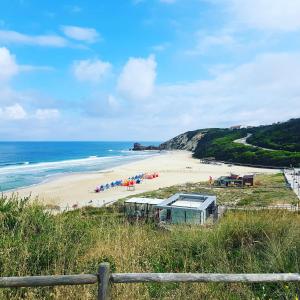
(145, 69)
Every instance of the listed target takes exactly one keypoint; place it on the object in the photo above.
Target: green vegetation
(219, 143)
(34, 242)
(281, 136)
(268, 190)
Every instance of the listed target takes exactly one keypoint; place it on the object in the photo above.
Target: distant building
(235, 181)
(248, 180)
(236, 127)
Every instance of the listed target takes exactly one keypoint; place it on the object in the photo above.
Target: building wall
(182, 216)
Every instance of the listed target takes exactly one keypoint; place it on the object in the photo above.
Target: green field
(35, 242)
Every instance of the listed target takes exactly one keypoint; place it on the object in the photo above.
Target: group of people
(131, 181)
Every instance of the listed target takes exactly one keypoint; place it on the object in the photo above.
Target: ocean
(27, 163)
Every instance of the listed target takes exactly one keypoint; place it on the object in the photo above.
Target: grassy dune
(268, 190)
(33, 242)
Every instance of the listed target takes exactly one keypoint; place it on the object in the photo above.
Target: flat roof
(188, 201)
(190, 204)
(151, 201)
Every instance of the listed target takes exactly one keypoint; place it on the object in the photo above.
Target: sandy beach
(174, 167)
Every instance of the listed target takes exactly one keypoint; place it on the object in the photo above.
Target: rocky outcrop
(139, 147)
(185, 141)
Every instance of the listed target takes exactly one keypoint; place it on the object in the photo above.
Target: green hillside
(283, 138)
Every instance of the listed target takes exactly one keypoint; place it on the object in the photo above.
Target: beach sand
(175, 167)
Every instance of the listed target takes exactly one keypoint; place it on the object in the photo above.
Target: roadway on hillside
(244, 142)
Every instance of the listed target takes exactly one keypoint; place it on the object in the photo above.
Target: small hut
(235, 181)
(187, 208)
(229, 181)
(248, 180)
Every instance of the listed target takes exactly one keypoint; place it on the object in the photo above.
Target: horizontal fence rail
(35, 281)
(105, 279)
(196, 277)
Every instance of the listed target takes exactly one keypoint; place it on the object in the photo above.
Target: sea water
(26, 163)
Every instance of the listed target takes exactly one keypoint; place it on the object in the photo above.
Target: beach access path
(174, 167)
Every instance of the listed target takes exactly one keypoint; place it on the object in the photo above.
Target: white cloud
(137, 78)
(89, 35)
(264, 90)
(205, 42)
(267, 14)
(30, 68)
(168, 1)
(13, 112)
(8, 65)
(45, 114)
(14, 37)
(17, 112)
(91, 70)
(113, 102)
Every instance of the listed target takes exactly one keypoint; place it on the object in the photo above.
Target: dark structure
(248, 180)
(235, 181)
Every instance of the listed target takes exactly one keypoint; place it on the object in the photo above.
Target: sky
(142, 70)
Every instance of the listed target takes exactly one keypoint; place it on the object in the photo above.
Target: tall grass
(33, 242)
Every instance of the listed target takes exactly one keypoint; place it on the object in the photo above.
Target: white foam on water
(66, 164)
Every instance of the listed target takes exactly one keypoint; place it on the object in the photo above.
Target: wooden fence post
(104, 282)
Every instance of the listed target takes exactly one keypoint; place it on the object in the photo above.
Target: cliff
(185, 141)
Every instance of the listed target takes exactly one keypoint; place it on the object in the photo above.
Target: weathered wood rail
(289, 207)
(105, 279)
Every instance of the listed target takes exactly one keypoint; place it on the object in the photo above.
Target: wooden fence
(105, 279)
(288, 207)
